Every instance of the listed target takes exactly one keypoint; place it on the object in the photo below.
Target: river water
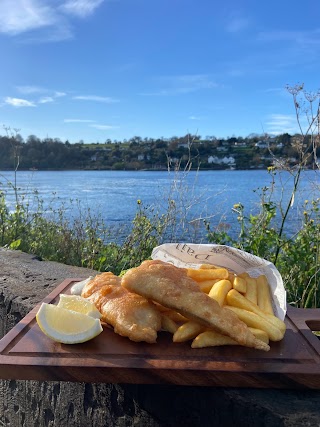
(198, 195)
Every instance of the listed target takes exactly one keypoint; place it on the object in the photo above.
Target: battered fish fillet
(171, 287)
(130, 314)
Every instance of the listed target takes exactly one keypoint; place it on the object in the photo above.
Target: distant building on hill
(230, 161)
(261, 144)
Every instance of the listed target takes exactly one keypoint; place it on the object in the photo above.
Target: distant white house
(261, 144)
(222, 160)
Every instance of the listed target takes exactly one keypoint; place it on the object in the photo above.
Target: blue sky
(97, 69)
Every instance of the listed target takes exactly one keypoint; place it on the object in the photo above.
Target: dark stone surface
(25, 280)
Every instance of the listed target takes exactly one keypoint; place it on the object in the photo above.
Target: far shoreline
(141, 170)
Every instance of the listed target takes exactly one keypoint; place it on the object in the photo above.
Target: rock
(25, 280)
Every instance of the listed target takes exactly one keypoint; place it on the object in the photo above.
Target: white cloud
(281, 123)
(195, 118)
(48, 96)
(18, 102)
(81, 8)
(52, 19)
(96, 98)
(59, 94)
(91, 123)
(104, 127)
(78, 121)
(24, 15)
(45, 100)
(276, 90)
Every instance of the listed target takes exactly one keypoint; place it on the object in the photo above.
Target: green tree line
(252, 152)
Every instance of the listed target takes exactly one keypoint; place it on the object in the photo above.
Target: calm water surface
(114, 194)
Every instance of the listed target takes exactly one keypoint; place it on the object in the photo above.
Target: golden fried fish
(130, 315)
(171, 287)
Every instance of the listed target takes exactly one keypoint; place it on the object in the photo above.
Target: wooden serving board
(294, 363)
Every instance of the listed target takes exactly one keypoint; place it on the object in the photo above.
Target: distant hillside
(154, 154)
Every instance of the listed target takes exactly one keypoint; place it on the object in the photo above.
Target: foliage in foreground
(81, 241)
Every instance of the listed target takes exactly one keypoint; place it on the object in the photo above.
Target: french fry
(260, 334)
(187, 331)
(168, 324)
(219, 291)
(251, 293)
(214, 339)
(207, 266)
(264, 298)
(200, 275)
(253, 320)
(211, 339)
(206, 285)
(240, 284)
(235, 299)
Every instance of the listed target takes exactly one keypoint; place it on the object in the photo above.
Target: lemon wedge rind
(67, 326)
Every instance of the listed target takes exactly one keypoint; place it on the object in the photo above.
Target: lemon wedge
(79, 304)
(67, 326)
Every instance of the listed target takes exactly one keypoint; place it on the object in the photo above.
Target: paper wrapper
(191, 255)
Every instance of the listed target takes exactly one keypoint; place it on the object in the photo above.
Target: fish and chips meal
(207, 306)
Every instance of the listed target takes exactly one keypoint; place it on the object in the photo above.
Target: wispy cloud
(45, 100)
(91, 123)
(25, 15)
(59, 94)
(183, 84)
(42, 96)
(96, 98)
(78, 121)
(196, 118)
(273, 90)
(281, 123)
(18, 102)
(104, 127)
(279, 92)
(52, 19)
(81, 8)
(48, 97)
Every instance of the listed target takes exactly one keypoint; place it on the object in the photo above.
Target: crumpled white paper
(190, 255)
